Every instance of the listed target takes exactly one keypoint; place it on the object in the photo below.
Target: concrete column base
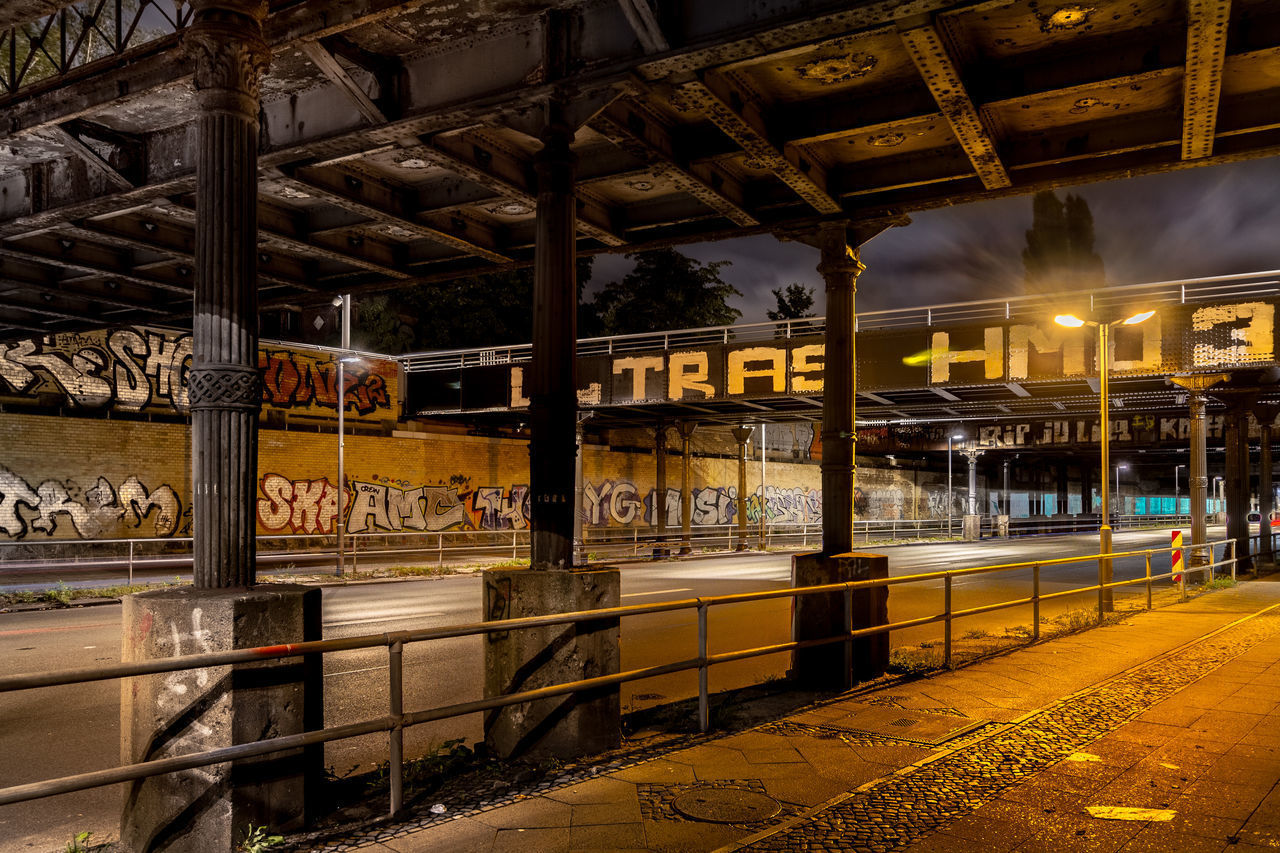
(972, 528)
(1002, 526)
(211, 808)
(818, 616)
(563, 726)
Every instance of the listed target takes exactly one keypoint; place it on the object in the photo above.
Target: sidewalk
(1173, 712)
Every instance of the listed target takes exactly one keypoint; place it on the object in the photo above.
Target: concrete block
(561, 726)
(210, 808)
(972, 528)
(819, 616)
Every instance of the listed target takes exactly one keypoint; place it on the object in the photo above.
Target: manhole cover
(725, 805)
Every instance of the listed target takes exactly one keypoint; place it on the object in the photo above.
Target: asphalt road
(66, 730)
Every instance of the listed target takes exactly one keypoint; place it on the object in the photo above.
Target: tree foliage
(480, 311)
(665, 290)
(793, 303)
(1059, 254)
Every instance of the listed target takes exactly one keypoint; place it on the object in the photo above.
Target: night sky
(1197, 222)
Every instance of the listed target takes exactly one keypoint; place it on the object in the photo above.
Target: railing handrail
(1006, 308)
(397, 720)
(23, 681)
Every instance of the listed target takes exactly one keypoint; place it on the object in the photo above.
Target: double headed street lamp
(1104, 367)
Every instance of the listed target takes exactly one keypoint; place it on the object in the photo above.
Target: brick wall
(68, 477)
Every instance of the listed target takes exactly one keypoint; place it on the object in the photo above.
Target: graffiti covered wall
(137, 369)
(129, 479)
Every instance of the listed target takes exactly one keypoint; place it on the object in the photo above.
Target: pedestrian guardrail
(397, 719)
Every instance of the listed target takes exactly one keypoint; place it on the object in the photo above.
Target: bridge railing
(397, 719)
(1242, 286)
(153, 554)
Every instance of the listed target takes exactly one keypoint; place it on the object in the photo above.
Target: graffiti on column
(98, 511)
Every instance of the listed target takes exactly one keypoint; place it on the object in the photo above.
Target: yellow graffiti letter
(777, 369)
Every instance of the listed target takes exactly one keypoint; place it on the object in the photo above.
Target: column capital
(225, 42)
(742, 434)
(840, 262)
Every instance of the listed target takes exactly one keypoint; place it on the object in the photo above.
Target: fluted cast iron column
(660, 490)
(225, 40)
(553, 401)
(1266, 493)
(685, 428)
(1237, 484)
(840, 269)
(742, 435)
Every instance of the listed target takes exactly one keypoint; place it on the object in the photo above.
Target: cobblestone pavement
(1159, 711)
(907, 808)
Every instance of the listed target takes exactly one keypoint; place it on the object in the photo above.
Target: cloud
(1197, 222)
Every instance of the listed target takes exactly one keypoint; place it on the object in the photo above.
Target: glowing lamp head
(1138, 318)
(1069, 320)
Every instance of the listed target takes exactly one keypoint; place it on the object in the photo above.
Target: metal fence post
(1148, 580)
(513, 543)
(704, 701)
(848, 635)
(439, 550)
(130, 562)
(1035, 602)
(395, 655)
(355, 546)
(1233, 559)
(946, 631)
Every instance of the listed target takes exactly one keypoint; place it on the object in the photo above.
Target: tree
(666, 290)
(793, 303)
(1059, 255)
(489, 310)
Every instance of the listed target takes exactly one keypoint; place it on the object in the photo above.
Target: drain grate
(726, 805)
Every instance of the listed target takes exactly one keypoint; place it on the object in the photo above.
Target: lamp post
(1176, 494)
(343, 302)
(1104, 367)
(1120, 466)
(950, 438)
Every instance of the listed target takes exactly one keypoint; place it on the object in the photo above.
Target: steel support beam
(686, 428)
(742, 120)
(1207, 22)
(942, 75)
(742, 435)
(1198, 470)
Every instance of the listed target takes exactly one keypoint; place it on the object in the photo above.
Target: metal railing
(155, 553)
(397, 719)
(1244, 285)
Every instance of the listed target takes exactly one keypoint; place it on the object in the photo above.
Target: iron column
(553, 401)
(686, 428)
(660, 489)
(840, 269)
(742, 435)
(1198, 476)
(225, 40)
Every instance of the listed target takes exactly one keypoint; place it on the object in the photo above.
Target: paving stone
(912, 806)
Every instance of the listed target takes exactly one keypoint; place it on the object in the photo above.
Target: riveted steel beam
(942, 76)
(385, 207)
(740, 117)
(1207, 22)
(638, 132)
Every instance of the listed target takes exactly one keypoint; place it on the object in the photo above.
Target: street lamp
(950, 438)
(343, 302)
(1176, 505)
(1104, 367)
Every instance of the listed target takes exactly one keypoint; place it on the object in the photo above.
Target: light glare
(1069, 320)
(1138, 318)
